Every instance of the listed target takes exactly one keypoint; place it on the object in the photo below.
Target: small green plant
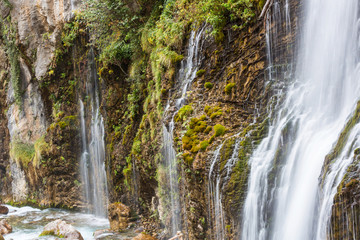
(183, 113)
(229, 87)
(208, 85)
(219, 130)
(200, 73)
(204, 145)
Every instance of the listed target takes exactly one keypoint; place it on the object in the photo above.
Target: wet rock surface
(143, 236)
(61, 229)
(5, 227)
(119, 216)
(4, 210)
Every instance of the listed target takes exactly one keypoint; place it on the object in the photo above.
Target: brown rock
(5, 228)
(4, 210)
(118, 216)
(61, 229)
(144, 236)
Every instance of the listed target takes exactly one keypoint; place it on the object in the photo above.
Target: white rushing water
(215, 198)
(187, 73)
(28, 223)
(217, 179)
(92, 162)
(282, 201)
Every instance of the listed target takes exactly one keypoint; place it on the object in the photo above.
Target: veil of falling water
(187, 73)
(92, 164)
(282, 201)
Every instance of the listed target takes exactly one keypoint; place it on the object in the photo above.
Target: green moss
(195, 148)
(208, 129)
(203, 117)
(207, 109)
(357, 151)
(200, 127)
(22, 152)
(219, 130)
(51, 233)
(8, 31)
(229, 87)
(212, 138)
(204, 145)
(183, 113)
(188, 159)
(208, 85)
(344, 135)
(200, 73)
(216, 114)
(40, 147)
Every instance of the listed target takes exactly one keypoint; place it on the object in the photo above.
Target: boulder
(119, 216)
(5, 228)
(143, 236)
(61, 229)
(4, 210)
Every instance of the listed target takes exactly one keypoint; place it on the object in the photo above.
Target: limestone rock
(143, 236)
(61, 229)
(118, 216)
(4, 210)
(5, 228)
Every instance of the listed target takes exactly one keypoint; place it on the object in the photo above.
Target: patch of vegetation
(8, 33)
(200, 73)
(219, 130)
(22, 153)
(183, 113)
(344, 135)
(208, 85)
(228, 88)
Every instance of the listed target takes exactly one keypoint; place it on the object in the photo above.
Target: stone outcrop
(5, 227)
(4, 210)
(61, 229)
(119, 216)
(143, 236)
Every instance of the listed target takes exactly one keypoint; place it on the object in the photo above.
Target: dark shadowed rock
(4, 210)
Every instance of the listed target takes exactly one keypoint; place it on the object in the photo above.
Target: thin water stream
(187, 73)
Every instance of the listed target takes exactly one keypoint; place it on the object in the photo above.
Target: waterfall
(217, 179)
(215, 203)
(92, 162)
(187, 73)
(284, 200)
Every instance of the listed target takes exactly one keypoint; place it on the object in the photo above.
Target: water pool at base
(28, 223)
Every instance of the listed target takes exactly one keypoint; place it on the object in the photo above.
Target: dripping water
(92, 162)
(187, 73)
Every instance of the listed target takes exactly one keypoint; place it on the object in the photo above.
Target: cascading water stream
(282, 201)
(216, 211)
(93, 157)
(217, 179)
(187, 73)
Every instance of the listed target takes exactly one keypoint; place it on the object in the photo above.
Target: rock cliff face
(32, 147)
